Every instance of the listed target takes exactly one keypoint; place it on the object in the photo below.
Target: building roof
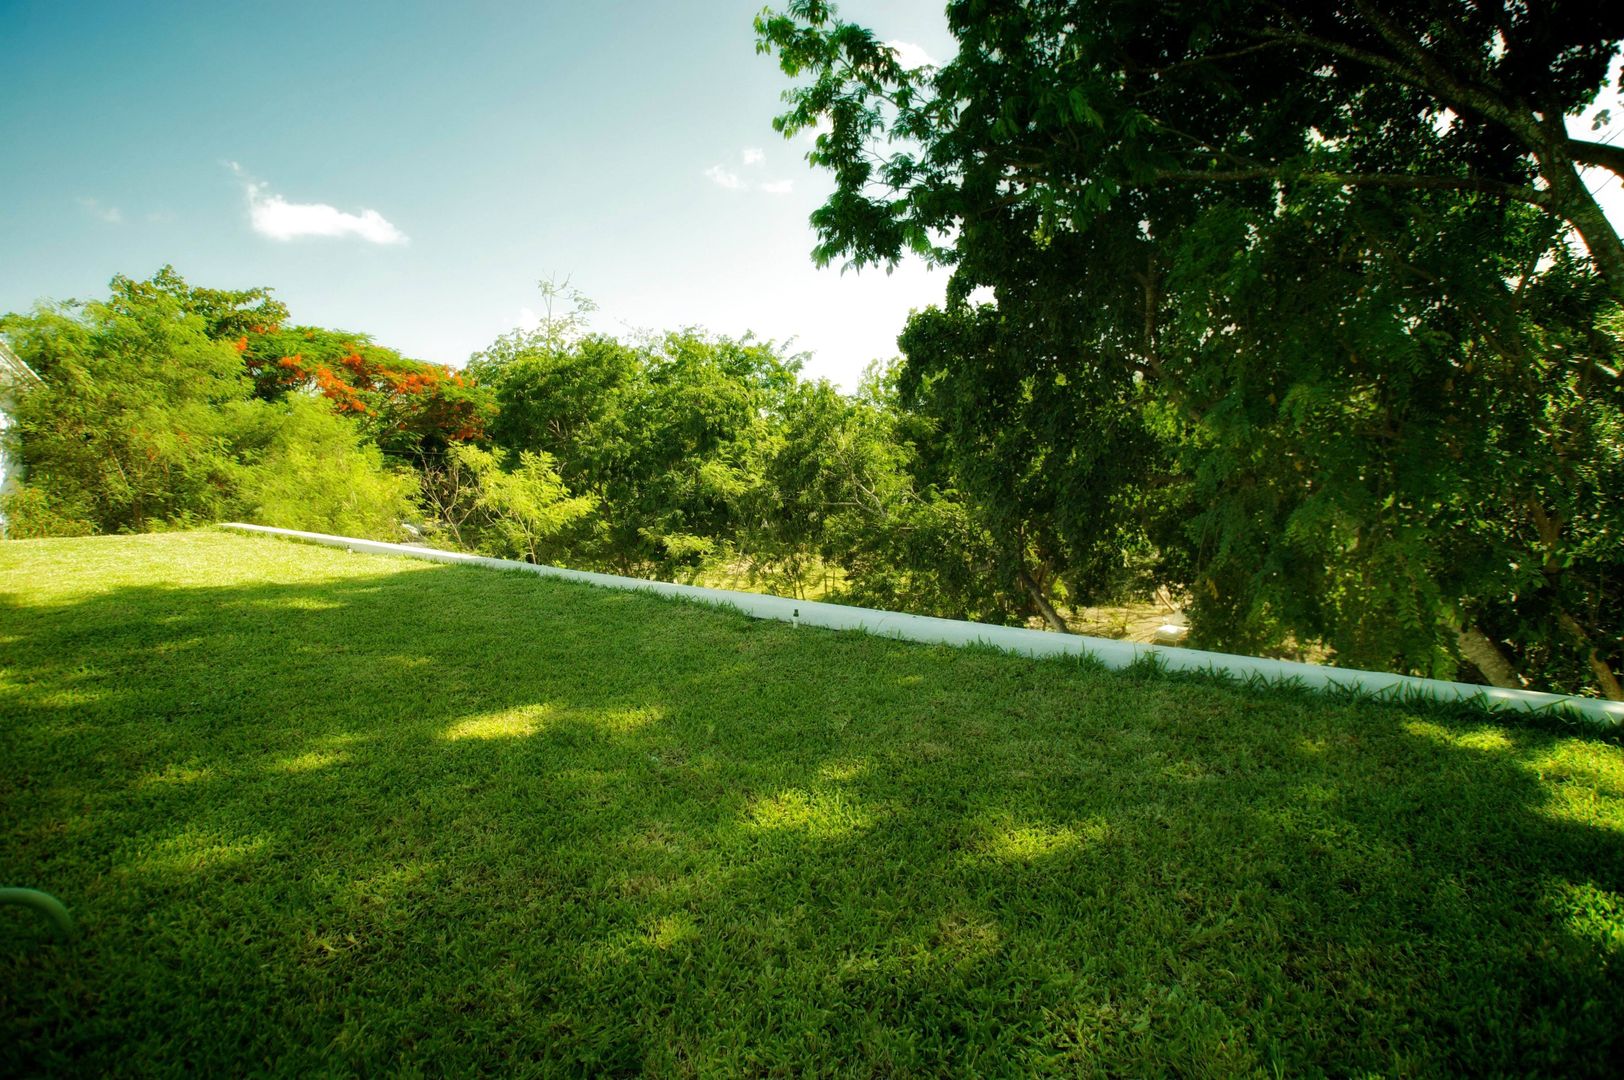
(12, 368)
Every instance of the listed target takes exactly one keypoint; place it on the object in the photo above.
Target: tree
(906, 537)
(661, 432)
(1284, 291)
(144, 419)
(824, 473)
(307, 468)
(227, 314)
(411, 409)
(570, 398)
(512, 509)
(125, 431)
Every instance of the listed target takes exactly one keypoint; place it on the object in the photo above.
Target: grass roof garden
(318, 812)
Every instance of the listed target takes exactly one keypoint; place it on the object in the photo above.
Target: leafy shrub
(312, 472)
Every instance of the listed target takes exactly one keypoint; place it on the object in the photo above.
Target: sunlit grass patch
(177, 773)
(506, 724)
(818, 814)
(328, 814)
(1486, 738)
(302, 603)
(670, 930)
(1591, 914)
(199, 850)
(1005, 837)
(842, 769)
(310, 761)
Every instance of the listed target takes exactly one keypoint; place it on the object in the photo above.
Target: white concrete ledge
(1113, 654)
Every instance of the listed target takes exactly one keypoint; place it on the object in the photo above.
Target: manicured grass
(328, 813)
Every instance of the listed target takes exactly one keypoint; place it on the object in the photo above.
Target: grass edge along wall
(1113, 654)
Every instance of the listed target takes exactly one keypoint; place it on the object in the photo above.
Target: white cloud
(778, 187)
(528, 319)
(273, 216)
(910, 55)
(724, 178)
(110, 214)
(754, 155)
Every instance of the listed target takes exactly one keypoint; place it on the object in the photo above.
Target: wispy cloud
(110, 214)
(910, 55)
(273, 216)
(724, 178)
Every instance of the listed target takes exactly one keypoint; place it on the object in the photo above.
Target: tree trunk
(1606, 678)
(1574, 202)
(1489, 660)
(1050, 615)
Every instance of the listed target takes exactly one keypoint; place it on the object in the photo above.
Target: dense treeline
(668, 455)
(680, 455)
(146, 417)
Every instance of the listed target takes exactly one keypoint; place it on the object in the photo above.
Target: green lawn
(328, 813)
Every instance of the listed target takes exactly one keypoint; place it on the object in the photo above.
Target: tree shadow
(500, 824)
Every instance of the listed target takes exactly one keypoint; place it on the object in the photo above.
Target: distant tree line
(167, 405)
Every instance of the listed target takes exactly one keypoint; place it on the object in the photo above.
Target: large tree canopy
(1309, 299)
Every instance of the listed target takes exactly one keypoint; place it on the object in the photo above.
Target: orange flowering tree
(408, 407)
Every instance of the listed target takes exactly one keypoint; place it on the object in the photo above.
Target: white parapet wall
(1113, 654)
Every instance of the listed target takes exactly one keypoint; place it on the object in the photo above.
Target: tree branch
(1426, 74)
(1601, 155)
(1212, 58)
(1435, 78)
(1606, 678)
(1477, 185)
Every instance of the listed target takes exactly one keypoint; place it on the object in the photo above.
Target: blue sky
(627, 145)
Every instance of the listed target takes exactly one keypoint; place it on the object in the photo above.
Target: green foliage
(144, 419)
(410, 409)
(820, 477)
(309, 470)
(570, 399)
(1280, 294)
(663, 433)
(930, 554)
(227, 314)
(513, 512)
(31, 514)
(125, 432)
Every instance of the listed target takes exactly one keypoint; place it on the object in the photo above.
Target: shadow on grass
(459, 821)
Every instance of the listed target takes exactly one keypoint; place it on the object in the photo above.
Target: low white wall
(10, 469)
(1114, 654)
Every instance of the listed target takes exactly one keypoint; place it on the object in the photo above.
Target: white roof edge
(11, 364)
